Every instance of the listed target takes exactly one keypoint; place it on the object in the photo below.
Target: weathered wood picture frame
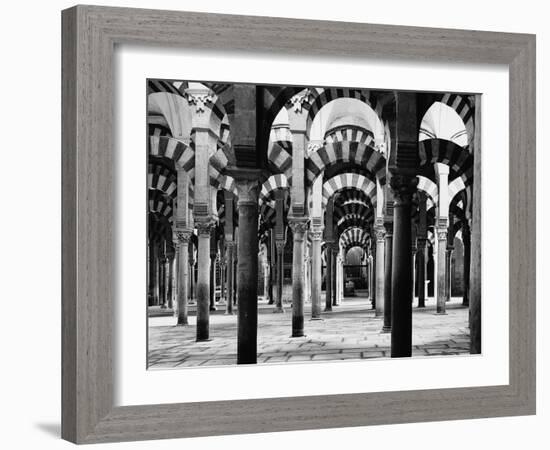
(89, 36)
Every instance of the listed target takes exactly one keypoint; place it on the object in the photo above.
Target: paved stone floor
(351, 331)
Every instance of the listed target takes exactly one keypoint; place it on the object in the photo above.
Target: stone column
(328, 277)
(266, 280)
(153, 273)
(467, 250)
(441, 273)
(162, 281)
(388, 247)
(316, 276)
(229, 250)
(203, 281)
(380, 278)
(169, 280)
(248, 188)
(213, 255)
(299, 228)
(272, 267)
(280, 276)
(334, 254)
(192, 293)
(448, 259)
(370, 281)
(421, 282)
(182, 249)
(401, 280)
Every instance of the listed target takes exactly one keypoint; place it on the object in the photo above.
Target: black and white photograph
(298, 224)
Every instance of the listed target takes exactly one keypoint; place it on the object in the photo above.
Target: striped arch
(267, 215)
(344, 151)
(355, 222)
(455, 187)
(178, 151)
(170, 86)
(353, 237)
(222, 157)
(274, 182)
(162, 179)
(459, 160)
(353, 211)
(161, 203)
(159, 226)
(462, 105)
(430, 188)
(322, 97)
(349, 180)
(350, 133)
(279, 152)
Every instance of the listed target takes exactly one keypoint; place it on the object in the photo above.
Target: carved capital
(380, 233)
(204, 226)
(299, 227)
(316, 235)
(280, 245)
(421, 243)
(182, 237)
(199, 98)
(403, 187)
(248, 191)
(442, 234)
(299, 99)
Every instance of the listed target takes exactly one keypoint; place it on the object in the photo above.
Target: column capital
(380, 233)
(441, 234)
(182, 236)
(299, 226)
(403, 187)
(280, 245)
(204, 226)
(316, 234)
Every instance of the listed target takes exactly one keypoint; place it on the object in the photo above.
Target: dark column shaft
(328, 279)
(466, 243)
(401, 293)
(298, 277)
(247, 283)
(203, 283)
(421, 282)
(387, 279)
(334, 284)
(230, 248)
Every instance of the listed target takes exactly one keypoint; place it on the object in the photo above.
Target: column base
(278, 310)
(297, 335)
(212, 308)
(440, 313)
(228, 313)
(385, 330)
(203, 340)
(185, 324)
(316, 318)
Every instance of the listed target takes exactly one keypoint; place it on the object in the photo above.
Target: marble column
(328, 277)
(169, 281)
(441, 273)
(162, 282)
(448, 259)
(421, 281)
(466, 245)
(229, 251)
(272, 268)
(299, 229)
(182, 249)
(248, 188)
(213, 255)
(334, 275)
(401, 280)
(203, 280)
(153, 274)
(380, 277)
(192, 277)
(280, 276)
(388, 248)
(316, 276)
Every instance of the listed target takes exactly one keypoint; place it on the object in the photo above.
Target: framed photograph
(265, 230)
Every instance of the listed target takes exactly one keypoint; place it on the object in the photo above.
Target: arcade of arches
(310, 207)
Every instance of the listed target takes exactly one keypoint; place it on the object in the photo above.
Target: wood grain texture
(89, 36)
